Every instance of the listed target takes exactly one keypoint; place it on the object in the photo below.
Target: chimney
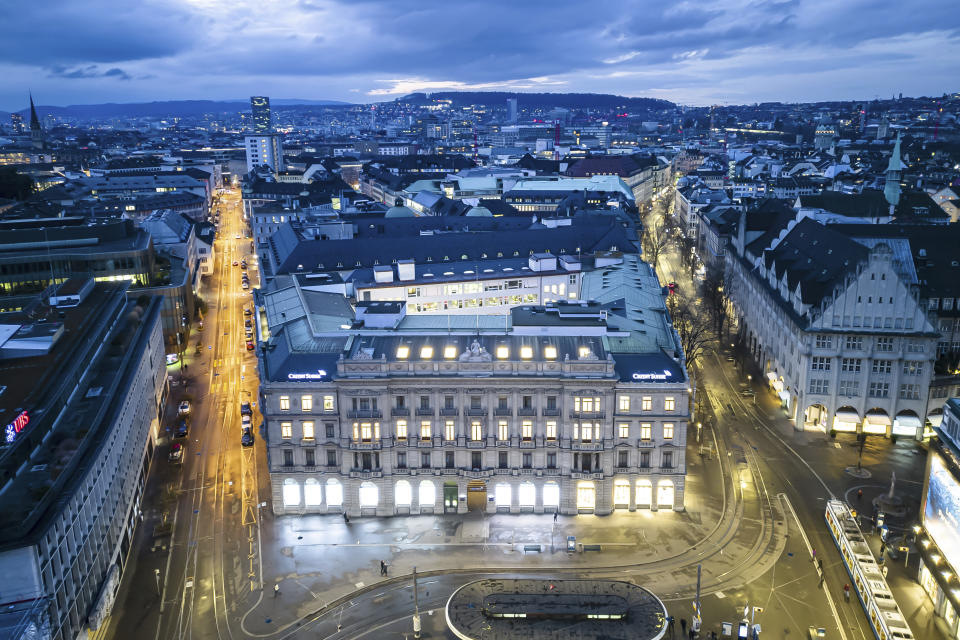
(406, 270)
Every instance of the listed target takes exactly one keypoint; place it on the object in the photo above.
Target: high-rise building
(266, 149)
(260, 106)
(17, 121)
(511, 109)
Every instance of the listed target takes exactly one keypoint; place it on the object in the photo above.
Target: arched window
(334, 493)
(369, 494)
(291, 493)
(665, 493)
(551, 495)
(428, 493)
(503, 495)
(402, 494)
(527, 495)
(312, 492)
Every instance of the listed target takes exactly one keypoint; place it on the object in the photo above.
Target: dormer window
(403, 352)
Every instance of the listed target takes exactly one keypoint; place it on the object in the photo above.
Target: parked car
(249, 345)
(237, 237)
(177, 451)
(246, 439)
(246, 421)
(245, 284)
(243, 264)
(182, 429)
(246, 409)
(247, 311)
(247, 323)
(184, 408)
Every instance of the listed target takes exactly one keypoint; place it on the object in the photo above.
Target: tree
(692, 328)
(656, 239)
(15, 186)
(713, 294)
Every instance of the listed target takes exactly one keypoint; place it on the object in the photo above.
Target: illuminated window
(551, 430)
(669, 404)
(425, 430)
(306, 403)
(284, 403)
(526, 352)
(624, 429)
(426, 352)
(450, 352)
(550, 352)
(328, 403)
(449, 431)
(646, 431)
(503, 352)
(668, 431)
(308, 430)
(526, 430)
(647, 403)
(623, 403)
(583, 431)
(286, 430)
(476, 430)
(403, 352)
(401, 429)
(503, 430)
(584, 352)
(586, 404)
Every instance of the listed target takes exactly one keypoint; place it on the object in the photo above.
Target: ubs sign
(15, 427)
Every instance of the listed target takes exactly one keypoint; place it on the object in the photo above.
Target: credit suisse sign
(319, 375)
(666, 375)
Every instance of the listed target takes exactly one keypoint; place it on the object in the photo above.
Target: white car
(236, 237)
(184, 408)
(245, 285)
(245, 422)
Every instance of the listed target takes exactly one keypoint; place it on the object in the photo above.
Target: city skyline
(747, 52)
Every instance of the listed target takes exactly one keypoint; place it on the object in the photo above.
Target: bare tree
(656, 239)
(713, 295)
(693, 328)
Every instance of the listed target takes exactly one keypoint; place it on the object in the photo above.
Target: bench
(532, 547)
(591, 547)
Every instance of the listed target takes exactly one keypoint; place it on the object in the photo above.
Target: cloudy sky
(703, 52)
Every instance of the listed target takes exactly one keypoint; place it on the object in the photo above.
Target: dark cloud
(89, 71)
(67, 32)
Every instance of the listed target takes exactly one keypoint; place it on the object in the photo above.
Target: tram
(886, 619)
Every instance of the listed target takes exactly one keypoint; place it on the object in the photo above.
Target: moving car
(246, 439)
(177, 451)
(182, 429)
(246, 409)
(249, 345)
(184, 408)
(235, 263)
(237, 237)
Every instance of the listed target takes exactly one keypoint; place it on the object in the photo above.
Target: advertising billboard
(941, 513)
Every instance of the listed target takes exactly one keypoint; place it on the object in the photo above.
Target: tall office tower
(260, 106)
(264, 150)
(511, 109)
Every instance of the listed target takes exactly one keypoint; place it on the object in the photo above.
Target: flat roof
(538, 609)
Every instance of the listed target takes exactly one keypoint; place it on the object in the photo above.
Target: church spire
(36, 131)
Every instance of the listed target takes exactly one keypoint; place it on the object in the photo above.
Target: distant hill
(544, 100)
(168, 108)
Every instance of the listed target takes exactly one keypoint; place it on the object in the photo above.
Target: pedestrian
(683, 626)
(846, 592)
(346, 520)
(276, 590)
(383, 568)
(555, 515)
(860, 495)
(822, 576)
(883, 548)
(820, 564)
(814, 555)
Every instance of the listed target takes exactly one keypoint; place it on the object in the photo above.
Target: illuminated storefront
(939, 537)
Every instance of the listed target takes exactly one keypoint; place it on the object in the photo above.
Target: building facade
(64, 550)
(837, 329)
(938, 537)
(264, 149)
(556, 412)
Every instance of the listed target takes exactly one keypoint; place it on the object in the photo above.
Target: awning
(935, 419)
(778, 385)
(907, 421)
(771, 376)
(873, 427)
(846, 415)
(784, 396)
(877, 418)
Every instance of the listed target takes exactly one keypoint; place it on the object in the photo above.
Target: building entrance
(476, 495)
(450, 497)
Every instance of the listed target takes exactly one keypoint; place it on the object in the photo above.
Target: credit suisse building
(566, 407)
